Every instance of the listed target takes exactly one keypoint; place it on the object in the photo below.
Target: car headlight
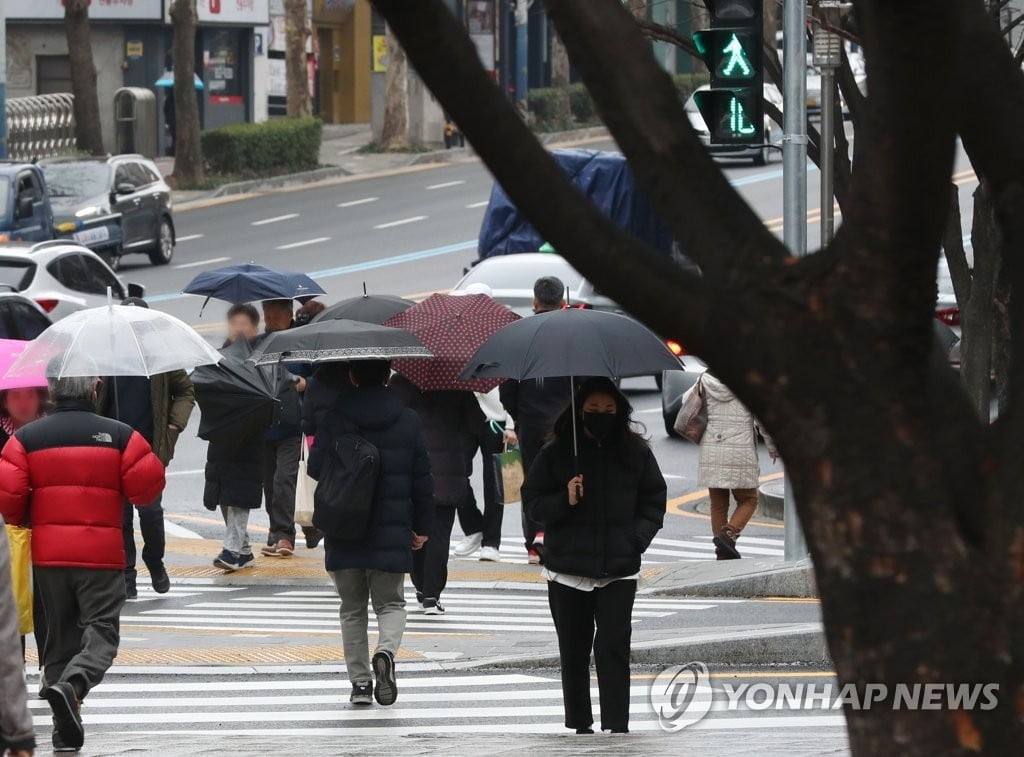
(92, 210)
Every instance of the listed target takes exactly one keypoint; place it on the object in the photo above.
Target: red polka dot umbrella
(453, 328)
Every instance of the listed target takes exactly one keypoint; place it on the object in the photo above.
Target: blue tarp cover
(604, 177)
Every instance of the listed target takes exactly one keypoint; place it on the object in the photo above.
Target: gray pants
(83, 609)
(236, 535)
(355, 588)
(280, 472)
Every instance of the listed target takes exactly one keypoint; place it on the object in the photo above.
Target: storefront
(342, 33)
(225, 55)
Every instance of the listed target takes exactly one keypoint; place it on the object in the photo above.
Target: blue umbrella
(167, 80)
(250, 282)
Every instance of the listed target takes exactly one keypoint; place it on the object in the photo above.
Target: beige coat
(728, 450)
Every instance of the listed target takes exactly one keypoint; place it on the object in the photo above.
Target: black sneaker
(362, 693)
(161, 581)
(432, 606)
(386, 690)
(228, 561)
(419, 599)
(131, 591)
(67, 720)
(58, 742)
(244, 561)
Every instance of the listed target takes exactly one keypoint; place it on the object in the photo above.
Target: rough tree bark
(296, 74)
(395, 131)
(909, 503)
(188, 151)
(560, 79)
(88, 132)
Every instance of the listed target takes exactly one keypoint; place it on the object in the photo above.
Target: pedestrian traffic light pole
(794, 192)
(522, 54)
(3, 81)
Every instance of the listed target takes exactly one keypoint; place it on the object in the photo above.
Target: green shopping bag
(509, 475)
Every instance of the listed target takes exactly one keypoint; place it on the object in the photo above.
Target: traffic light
(733, 108)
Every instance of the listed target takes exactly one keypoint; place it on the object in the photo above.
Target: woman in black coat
(600, 513)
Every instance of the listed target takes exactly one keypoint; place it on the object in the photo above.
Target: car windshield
(74, 179)
(522, 276)
(15, 275)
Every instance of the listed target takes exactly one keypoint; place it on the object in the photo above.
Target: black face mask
(601, 425)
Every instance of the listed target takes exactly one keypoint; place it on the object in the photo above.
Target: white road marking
(480, 204)
(188, 238)
(197, 263)
(446, 184)
(400, 222)
(173, 529)
(275, 219)
(303, 243)
(363, 201)
(192, 472)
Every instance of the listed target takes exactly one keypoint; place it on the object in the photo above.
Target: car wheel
(111, 257)
(164, 250)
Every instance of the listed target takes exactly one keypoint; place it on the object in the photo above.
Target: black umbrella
(330, 341)
(571, 342)
(369, 308)
(237, 399)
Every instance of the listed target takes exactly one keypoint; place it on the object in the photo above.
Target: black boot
(725, 541)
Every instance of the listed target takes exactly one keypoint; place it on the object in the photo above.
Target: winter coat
(77, 468)
(234, 475)
(728, 450)
(623, 506)
(322, 391)
(451, 421)
(403, 503)
(15, 720)
(173, 398)
(289, 417)
(534, 405)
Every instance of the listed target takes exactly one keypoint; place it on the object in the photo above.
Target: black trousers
(576, 613)
(83, 609)
(471, 520)
(151, 523)
(280, 473)
(430, 562)
(531, 440)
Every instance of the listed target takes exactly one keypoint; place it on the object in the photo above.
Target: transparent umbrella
(114, 340)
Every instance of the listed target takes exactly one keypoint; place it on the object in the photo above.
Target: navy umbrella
(249, 282)
(571, 342)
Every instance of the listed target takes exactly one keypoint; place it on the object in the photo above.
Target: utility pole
(828, 56)
(3, 82)
(794, 191)
(522, 53)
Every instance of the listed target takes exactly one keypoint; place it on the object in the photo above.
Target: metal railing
(40, 126)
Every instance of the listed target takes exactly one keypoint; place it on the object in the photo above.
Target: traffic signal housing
(733, 108)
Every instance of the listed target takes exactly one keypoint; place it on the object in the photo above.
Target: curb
(276, 182)
(786, 644)
(743, 578)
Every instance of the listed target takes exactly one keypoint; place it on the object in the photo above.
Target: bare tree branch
(617, 64)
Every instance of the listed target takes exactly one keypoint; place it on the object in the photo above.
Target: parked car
(25, 212)
(947, 311)
(511, 279)
(82, 189)
(60, 276)
(20, 317)
(759, 154)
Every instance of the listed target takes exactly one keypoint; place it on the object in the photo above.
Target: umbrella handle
(575, 433)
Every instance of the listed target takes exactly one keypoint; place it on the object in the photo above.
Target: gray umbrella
(337, 340)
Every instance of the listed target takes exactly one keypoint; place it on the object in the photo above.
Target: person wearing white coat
(728, 463)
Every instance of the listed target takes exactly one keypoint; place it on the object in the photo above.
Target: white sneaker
(469, 545)
(490, 554)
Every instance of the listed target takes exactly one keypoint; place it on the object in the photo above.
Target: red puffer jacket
(70, 474)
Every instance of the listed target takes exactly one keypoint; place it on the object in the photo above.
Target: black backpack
(347, 488)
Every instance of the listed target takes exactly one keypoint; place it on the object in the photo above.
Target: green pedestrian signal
(733, 108)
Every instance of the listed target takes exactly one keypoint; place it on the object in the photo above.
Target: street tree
(560, 79)
(394, 135)
(296, 73)
(188, 151)
(88, 131)
(909, 501)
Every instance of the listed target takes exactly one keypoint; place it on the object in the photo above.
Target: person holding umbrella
(599, 494)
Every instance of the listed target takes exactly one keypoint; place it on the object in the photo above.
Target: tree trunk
(188, 151)
(560, 79)
(978, 313)
(295, 58)
(394, 134)
(88, 132)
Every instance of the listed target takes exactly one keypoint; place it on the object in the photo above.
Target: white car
(760, 155)
(60, 276)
